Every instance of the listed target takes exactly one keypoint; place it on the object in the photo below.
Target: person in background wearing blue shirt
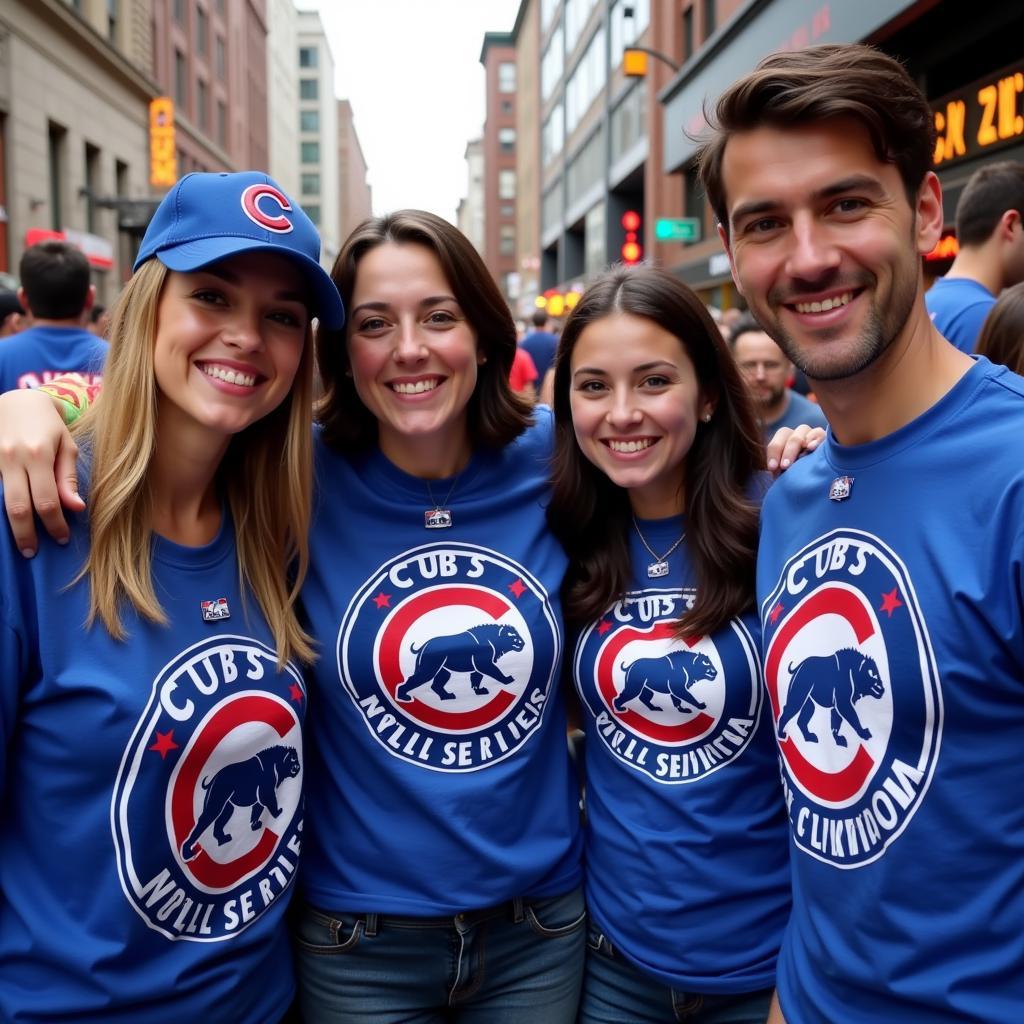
(151, 716)
(57, 296)
(890, 570)
(990, 230)
(540, 343)
(767, 371)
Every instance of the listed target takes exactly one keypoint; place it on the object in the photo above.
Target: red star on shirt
(603, 627)
(775, 613)
(164, 743)
(890, 602)
(382, 600)
(517, 588)
(296, 693)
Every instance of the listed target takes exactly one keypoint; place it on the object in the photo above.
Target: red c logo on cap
(251, 198)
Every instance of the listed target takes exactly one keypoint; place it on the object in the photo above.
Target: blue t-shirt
(442, 781)
(33, 357)
(893, 618)
(798, 410)
(151, 815)
(541, 345)
(687, 859)
(958, 307)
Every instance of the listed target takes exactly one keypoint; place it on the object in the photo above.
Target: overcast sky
(412, 71)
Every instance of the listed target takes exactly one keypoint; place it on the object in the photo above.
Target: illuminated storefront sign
(984, 115)
(163, 160)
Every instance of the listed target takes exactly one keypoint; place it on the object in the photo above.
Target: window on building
(309, 57)
(180, 80)
(179, 11)
(312, 212)
(203, 105)
(688, 33)
(311, 184)
(57, 142)
(92, 185)
(220, 58)
(202, 31)
(112, 12)
(309, 89)
(309, 152)
(507, 243)
(585, 82)
(507, 210)
(551, 63)
(222, 123)
(506, 184)
(309, 120)
(506, 106)
(506, 77)
(220, 7)
(507, 140)
(693, 194)
(709, 18)
(551, 134)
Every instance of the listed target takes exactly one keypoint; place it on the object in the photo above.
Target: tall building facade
(471, 209)
(283, 94)
(318, 133)
(355, 201)
(75, 85)
(498, 57)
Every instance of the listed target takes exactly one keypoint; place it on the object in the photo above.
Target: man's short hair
(988, 194)
(745, 325)
(55, 276)
(539, 318)
(801, 87)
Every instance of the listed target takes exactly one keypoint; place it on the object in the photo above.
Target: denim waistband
(514, 909)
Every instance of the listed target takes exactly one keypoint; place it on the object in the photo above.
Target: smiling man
(891, 564)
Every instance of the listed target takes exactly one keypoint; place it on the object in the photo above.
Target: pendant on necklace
(841, 488)
(437, 519)
(657, 569)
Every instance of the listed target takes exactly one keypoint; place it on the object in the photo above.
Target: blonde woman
(150, 711)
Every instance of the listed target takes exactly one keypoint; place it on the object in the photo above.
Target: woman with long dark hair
(657, 476)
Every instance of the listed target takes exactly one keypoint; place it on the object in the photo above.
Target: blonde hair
(269, 492)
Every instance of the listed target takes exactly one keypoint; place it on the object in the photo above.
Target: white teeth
(825, 305)
(630, 446)
(415, 389)
(247, 380)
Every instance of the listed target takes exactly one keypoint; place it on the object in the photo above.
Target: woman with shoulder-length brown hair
(657, 476)
(441, 850)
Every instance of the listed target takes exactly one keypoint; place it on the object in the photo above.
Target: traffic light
(631, 252)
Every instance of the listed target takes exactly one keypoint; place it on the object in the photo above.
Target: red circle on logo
(243, 709)
(251, 199)
(688, 730)
(391, 647)
(832, 786)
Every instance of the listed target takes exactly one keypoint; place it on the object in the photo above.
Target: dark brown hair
(801, 87)
(989, 193)
(592, 516)
(495, 414)
(1002, 336)
(55, 275)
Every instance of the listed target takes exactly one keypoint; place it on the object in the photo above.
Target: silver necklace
(439, 517)
(659, 567)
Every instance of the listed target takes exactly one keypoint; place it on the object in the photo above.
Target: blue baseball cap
(209, 217)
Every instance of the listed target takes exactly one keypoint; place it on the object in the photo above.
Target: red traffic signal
(631, 253)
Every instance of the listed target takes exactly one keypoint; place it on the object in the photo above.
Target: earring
(706, 417)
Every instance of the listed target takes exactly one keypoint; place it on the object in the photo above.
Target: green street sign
(677, 229)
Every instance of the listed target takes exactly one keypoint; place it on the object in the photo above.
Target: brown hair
(1002, 336)
(592, 516)
(495, 414)
(989, 193)
(815, 84)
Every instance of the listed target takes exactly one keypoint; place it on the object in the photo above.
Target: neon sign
(987, 113)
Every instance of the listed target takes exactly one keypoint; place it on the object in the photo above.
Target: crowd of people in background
(460, 537)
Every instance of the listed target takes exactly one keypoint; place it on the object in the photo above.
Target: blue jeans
(614, 991)
(521, 961)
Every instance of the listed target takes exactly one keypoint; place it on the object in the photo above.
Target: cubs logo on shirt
(448, 652)
(216, 758)
(664, 706)
(855, 693)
